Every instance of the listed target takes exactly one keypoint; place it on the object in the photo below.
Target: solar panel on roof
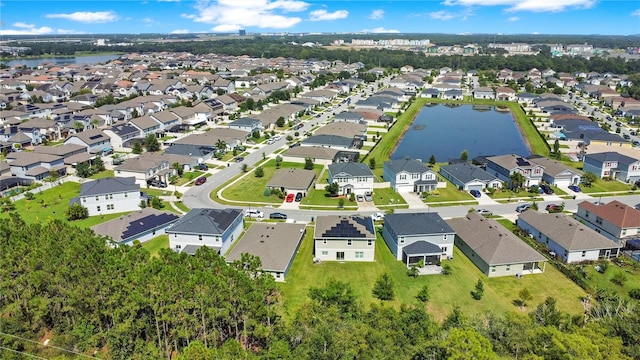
(146, 223)
(95, 137)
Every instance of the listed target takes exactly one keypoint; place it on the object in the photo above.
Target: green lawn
(251, 188)
(154, 245)
(180, 205)
(387, 196)
(602, 185)
(446, 291)
(450, 193)
(503, 195)
(602, 281)
(102, 174)
(318, 197)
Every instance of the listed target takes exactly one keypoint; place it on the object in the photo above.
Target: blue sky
(49, 17)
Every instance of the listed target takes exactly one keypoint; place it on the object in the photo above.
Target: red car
(201, 180)
(290, 197)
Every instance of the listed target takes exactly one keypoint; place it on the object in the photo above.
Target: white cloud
(513, 18)
(527, 5)
(148, 20)
(180, 31)
(381, 30)
(441, 15)
(636, 13)
(231, 15)
(320, 15)
(27, 29)
(87, 16)
(376, 14)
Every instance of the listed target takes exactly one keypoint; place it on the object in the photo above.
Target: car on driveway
(299, 197)
(290, 197)
(201, 180)
(553, 208)
(239, 159)
(157, 183)
(475, 193)
(523, 207)
(359, 198)
(368, 196)
(547, 189)
(575, 188)
(278, 216)
(484, 212)
(378, 216)
(253, 213)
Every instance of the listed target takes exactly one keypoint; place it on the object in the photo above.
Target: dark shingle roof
(206, 221)
(130, 226)
(109, 186)
(351, 168)
(408, 165)
(467, 172)
(417, 224)
(421, 247)
(329, 140)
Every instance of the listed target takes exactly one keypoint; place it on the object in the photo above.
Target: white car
(377, 216)
(253, 213)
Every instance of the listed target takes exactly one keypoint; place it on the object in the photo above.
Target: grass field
(450, 193)
(446, 291)
(602, 281)
(318, 197)
(154, 245)
(602, 185)
(387, 196)
(102, 175)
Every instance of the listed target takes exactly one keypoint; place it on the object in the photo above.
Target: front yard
(602, 185)
(448, 194)
(446, 291)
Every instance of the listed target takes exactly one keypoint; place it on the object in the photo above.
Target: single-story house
(493, 249)
(214, 228)
(567, 238)
(142, 225)
(469, 177)
(292, 180)
(276, 244)
(344, 238)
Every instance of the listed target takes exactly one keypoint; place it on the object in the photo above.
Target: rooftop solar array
(345, 229)
(147, 223)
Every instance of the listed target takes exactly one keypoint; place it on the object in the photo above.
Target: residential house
(430, 93)
(35, 166)
(332, 141)
(246, 124)
(344, 238)
(121, 134)
(418, 237)
(356, 178)
(146, 124)
(482, 92)
(614, 220)
(469, 177)
(505, 94)
(349, 116)
(410, 175)
(110, 195)
(557, 173)
(214, 228)
(503, 166)
(292, 180)
(95, 140)
(276, 244)
(166, 118)
(149, 166)
(567, 238)
(614, 165)
(493, 249)
(141, 225)
(453, 95)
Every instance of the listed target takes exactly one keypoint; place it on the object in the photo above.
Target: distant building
(242, 32)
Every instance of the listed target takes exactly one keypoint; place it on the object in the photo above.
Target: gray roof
(409, 165)
(130, 226)
(110, 185)
(350, 168)
(342, 129)
(348, 115)
(329, 140)
(292, 179)
(206, 221)
(344, 227)
(421, 247)
(314, 152)
(466, 173)
(245, 121)
(124, 129)
(566, 231)
(492, 241)
(417, 224)
(553, 167)
(274, 243)
(190, 150)
(611, 156)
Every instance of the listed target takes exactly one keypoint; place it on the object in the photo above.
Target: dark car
(298, 127)
(626, 136)
(299, 197)
(157, 183)
(239, 159)
(201, 180)
(203, 167)
(553, 208)
(278, 216)
(575, 188)
(475, 193)
(547, 189)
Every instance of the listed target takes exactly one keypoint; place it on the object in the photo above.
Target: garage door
(563, 182)
(474, 187)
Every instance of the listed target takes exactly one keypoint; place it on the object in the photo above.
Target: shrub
(29, 195)
(413, 271)
(634, 293)
(267, 192)
(446, 269)
(619, 279)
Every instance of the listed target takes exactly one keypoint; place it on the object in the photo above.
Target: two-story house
(35, 166)
(503, 166)
(615, 220)
(351, 177)
(614, 165)
(110, 195)
(410, 175)
(95, 140)
(214, 228)
(413, 237)
(344, 238)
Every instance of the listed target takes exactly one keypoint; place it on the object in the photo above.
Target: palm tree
(517, 180)
(221, 145)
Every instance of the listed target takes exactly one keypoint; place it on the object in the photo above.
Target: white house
(612, 164)
(214, 228)
(615, 220)
(344, 238)
(110, 195)
(351, 177)
(410, 175)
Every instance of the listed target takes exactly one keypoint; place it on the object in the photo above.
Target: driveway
(413, 200)
(484, 199)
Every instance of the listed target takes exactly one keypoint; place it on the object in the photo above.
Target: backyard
(446, 291)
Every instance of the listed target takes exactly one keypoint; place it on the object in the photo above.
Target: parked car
(637, 206)
(254, 213)
(378, 216)
(547, 189)
(523, 207)
(239, 159)
(299, 197)
(290, 197)
(278, 216)
(298, 127)
(368, 196)
(157, 183)
(240, 148)
(484, 212)
(201, 180)
(203, 167)
(277, 138)
(575, 188)
(270, 141)
(626, 136)
(359, 198)
(553, 208)
(475, 193)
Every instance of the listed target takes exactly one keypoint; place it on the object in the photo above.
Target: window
(508, 268)
(414, 176)
(584, 254)
(325, 253)
(493, 269)
(324, 241)
(444, 249)
(126, 194)
(359, 254)
(369, 242)
(402, 240)
(200, 237)
(97, 198)
(278, 275)
(349, 242)
(178, 247)
(109, 206)
(403, 177)
(108, 197)
(84, 200)
(340, 255)
(598, 220)
(98, 208)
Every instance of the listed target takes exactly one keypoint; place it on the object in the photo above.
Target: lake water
(91, 59)
(446, 130)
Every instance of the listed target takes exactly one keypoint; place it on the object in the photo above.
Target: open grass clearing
(156, 244)
(387, 196)
(446, 291)
(102, 174)
(322, 198)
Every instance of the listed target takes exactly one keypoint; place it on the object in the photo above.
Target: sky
(60, 17)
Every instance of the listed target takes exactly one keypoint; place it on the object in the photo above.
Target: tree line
(64, 284)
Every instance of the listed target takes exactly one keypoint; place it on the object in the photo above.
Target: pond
(89, 59)
(445, 130)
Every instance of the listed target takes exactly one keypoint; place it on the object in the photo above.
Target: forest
(65, 286)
